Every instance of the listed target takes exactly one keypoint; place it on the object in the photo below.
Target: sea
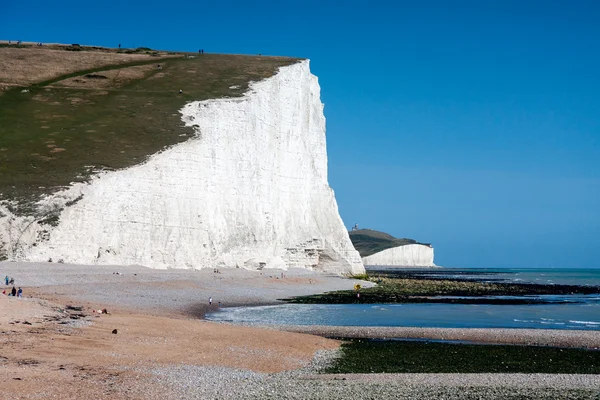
(578, 312)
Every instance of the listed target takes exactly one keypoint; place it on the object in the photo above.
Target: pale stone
(410, 255)
(249, 190)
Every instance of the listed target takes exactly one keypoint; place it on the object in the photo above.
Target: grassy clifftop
(65, 114)
(369, 241)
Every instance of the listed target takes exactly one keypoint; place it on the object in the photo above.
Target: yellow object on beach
(357, 286)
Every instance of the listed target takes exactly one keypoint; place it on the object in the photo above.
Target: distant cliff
(379, 248)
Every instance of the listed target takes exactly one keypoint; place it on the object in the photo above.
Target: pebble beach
(163, 347)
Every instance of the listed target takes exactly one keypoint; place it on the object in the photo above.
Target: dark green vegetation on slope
(111, 117)
(402, 289)
(369, 241)
(359, 356)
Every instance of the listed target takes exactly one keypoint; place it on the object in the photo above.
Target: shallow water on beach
(584, 316)
(540, 276)
(580, 312)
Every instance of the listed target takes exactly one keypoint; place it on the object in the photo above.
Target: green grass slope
(369, 241)
(59, 131)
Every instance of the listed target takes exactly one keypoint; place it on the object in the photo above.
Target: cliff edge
(248, 190)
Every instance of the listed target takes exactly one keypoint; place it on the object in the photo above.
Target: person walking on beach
(20, 292)
(14, 291)
(210, 301)
(6, 280)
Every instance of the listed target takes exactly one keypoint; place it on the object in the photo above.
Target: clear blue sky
(472, 125)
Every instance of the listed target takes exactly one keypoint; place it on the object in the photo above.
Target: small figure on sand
(219, 304)
(13, 292)
(20, 292)
(210, 301)
(6, 280)
(12, 281)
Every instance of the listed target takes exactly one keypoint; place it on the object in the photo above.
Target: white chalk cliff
(249, 190)
(410, 255)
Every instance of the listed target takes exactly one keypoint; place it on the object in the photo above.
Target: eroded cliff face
(411, 255)
(250, 190)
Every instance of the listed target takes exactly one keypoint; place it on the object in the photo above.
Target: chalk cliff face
(250, 190)
(411, 255)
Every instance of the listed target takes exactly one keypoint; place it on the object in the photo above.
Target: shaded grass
(52, 136)
(361, 356)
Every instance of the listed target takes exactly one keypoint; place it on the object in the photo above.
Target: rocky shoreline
(399, 286)
(534, 337)
(163, 349)
(193, 382)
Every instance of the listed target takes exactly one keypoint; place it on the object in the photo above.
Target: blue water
(564, 316)
(580, 312)
(542, 276)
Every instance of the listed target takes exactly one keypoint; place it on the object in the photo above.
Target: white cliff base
(411, 255)
(249, 190)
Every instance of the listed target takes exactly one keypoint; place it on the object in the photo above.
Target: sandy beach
(161, 347)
